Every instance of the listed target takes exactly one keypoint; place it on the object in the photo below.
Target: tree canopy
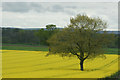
(82, 37)
(50, 27)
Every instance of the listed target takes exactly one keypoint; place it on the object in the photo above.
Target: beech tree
(84, 37)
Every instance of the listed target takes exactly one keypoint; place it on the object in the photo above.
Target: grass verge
(24, 47)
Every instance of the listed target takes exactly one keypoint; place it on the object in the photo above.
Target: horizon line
(45, 27)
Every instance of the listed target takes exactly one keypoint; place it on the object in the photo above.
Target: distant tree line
(37, 37)
(26, 36)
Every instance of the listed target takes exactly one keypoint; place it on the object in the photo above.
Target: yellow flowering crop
(34, 64)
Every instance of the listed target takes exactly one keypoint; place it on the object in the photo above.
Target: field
(26, 47)
(34, 64)
(29, 47)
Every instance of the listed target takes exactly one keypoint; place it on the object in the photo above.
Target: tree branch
(74, 53)
(86, 57)
(80, 48)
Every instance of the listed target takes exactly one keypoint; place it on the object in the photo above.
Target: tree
(82, 38)
(50, 27)
(43, 36)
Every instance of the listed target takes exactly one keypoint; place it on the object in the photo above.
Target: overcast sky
(39, 14)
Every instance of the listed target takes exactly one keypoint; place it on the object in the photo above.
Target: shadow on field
(85, 70)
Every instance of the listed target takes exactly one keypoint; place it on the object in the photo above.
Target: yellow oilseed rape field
(34, 64)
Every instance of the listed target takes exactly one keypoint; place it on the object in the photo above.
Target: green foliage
(85, 22)
(81, 38)
(82, 35)
(44, 35)
(51, 27)
(21, 36)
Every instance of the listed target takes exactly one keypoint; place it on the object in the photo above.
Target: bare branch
(86, 57)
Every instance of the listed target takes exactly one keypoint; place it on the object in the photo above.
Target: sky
(59, 0)
(39, 14)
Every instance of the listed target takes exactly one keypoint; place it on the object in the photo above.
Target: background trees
(45, 34)
(37, 37)
(19, 36)
(51, 27)
(82, 38)
(28, 36)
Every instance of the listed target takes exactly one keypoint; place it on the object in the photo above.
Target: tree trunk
(81, 64)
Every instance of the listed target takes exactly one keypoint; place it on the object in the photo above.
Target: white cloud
(60, 0)
(40, 14)
(0, 16)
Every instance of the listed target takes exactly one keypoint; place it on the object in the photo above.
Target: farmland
(23, 64)
(59, 40)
